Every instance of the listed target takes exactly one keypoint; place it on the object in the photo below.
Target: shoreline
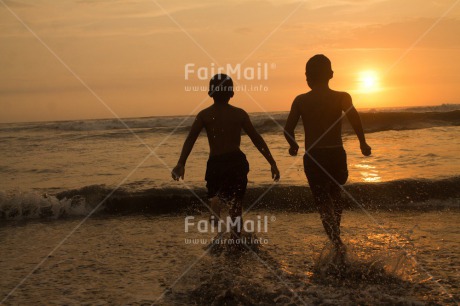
(399, 195)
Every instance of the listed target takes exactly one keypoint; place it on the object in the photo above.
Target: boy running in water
(325, 160)
(227, 167)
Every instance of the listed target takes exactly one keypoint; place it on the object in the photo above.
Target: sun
(368, 81)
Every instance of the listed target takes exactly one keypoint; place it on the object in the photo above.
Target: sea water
(401, 228)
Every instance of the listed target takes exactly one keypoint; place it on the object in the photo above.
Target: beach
(88, 217)
(137, 260)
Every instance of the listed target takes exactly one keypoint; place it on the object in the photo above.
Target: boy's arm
(260, 144)
(179, 170)
(355, 121)
(289, 129)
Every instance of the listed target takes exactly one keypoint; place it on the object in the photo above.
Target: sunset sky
(127, 58)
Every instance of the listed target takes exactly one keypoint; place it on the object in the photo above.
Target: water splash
(387, 267)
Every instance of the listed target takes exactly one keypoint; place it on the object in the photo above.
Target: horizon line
(259, 112)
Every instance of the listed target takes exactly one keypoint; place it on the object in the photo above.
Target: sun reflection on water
(369, 173)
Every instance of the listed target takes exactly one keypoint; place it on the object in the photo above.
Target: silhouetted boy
(325, 160)
(227, 167)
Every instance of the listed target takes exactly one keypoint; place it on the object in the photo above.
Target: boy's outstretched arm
(289, 129)
(179, 170)
(355, 121)
(260, 144)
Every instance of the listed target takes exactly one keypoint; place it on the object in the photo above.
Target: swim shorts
(324, 168)
(226, 176)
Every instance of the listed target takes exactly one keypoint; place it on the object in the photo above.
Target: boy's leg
(230, 186)
(339, 171)
(215, 205)
(336, 198)
(320, 188)
(236, 212)
(327, 213)
(236, 190)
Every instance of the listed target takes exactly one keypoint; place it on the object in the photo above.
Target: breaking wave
(394, 195)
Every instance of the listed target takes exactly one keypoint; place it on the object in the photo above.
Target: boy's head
(221, 88)
(318, 70)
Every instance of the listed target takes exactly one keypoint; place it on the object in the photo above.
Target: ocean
(400, 226)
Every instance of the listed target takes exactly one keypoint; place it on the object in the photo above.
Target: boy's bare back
(321, 112)
(223, 124)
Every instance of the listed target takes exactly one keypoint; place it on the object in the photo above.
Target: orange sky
(132, 54)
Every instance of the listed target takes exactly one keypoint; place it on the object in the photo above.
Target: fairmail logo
(259, 225)
(249, 73)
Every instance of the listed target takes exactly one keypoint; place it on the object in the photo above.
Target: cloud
(400, 35)
(96, 18)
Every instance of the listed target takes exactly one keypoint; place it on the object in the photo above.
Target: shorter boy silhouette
(325, 160)
(227, 167)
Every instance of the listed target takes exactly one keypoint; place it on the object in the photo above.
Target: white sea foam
(30, 205)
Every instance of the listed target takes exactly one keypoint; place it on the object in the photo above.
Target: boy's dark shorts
(227, 176)
(333, 161)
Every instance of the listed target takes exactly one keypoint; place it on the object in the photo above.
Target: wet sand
(143, 260)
